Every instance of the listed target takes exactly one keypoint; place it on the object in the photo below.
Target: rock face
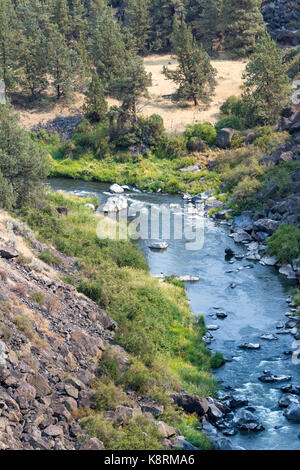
(191, 403)
(47, 359)
(283, 20)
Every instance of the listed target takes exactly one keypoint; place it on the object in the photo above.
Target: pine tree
(194, 74)
(22, 163)
(8, 42)
(64, 63)
(267, 83)
(137, 20)
(204, 16)
(61, 16)
(106, 46)
(164, 13)
(131, 85)
(242, 24)
(95, 105)
(32, 51)
(79, 20)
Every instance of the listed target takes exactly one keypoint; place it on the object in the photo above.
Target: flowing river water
(254, 307)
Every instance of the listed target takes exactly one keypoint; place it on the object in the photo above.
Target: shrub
(22, 259)
(232, 106)
(176, 282)
(38, 298)
(23, 323)
(246, 188)
(108, 396)
(109, 368)
(284, 244)
(231, 121)
(204, 131)
(139, 434)
(94, 290)
(49, 258)
(172, 147)
(137, 378)
(151, 129)
(19, 289)
(217, 360)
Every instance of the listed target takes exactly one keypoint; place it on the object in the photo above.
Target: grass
(49, 258)
(149, 174)
(156, 326)
(284, 244)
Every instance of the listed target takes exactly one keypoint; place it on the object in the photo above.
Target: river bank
(253, 309)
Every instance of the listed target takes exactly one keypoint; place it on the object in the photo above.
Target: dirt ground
(176, 118)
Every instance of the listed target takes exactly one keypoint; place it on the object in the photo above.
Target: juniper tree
(195, 75)
(64, 63)
(266, 80)
(131, 85)
(95, 105)
(163, 14)
(22, 163)
(61, 15)
(8, 42)
(32, 51)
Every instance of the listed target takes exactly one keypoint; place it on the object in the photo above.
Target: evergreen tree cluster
(228, 25)
(60, 44)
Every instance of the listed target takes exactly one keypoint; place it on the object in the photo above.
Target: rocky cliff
(283, 20)
(50, 340)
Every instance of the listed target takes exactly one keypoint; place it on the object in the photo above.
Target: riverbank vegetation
(156, 326)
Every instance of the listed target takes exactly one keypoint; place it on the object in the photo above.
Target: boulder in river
(114, 204)
(267, 377)
(222, 315)
(189, 278)
(269, 337)
(292, 413)
(116, 189)
(287, 399)
(245, 420)
(250, 346)
(212, 327)
(159, 246)
(293, 389)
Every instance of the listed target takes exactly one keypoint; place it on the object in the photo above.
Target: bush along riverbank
(257, 180)
(157, 350)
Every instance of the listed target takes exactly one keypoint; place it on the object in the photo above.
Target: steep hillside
(51, 338)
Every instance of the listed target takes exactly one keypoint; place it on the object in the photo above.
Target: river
(254, 306)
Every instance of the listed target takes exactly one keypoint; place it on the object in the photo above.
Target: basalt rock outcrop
(283, 20)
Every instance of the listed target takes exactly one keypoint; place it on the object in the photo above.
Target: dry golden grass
(175, 118)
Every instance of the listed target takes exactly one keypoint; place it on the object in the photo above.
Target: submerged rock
(269, 378)
(250, 346)
(159, 246)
